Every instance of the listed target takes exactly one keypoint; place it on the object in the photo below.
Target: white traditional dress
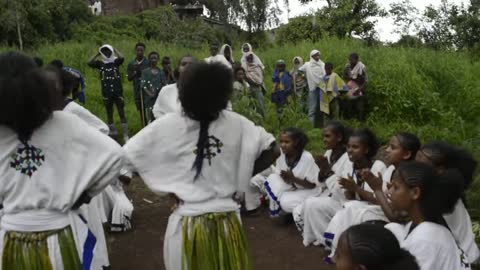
(432, 245)
(285, 197)
(41, 180)
(313, 216)
(357, 211)
(112, 202)
(256, 189)
(163, 154)
(460, 224)
(219, 58)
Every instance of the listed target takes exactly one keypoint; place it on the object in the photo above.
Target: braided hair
(376, 248)
(204, 91)
(298, 136)
(368, 138)
(409, 142)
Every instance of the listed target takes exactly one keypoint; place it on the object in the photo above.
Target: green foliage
(341, 18)
(40, 21)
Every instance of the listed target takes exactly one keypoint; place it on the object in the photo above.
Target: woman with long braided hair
(203, 156)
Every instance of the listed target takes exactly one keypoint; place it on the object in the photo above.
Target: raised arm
(91, 61)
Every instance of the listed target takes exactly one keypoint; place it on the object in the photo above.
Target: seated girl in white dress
(295, 176)
(346, 187)
(402, 147)
(335, 138)
(425, 196)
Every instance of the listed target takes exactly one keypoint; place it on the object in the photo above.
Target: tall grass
(434, 94)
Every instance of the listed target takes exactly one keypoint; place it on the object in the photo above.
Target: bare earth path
(273, 245)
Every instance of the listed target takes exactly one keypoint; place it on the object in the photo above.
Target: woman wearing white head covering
(227, 51)
(246, 49)
(254, 75)
(300, 82)
(314, 70)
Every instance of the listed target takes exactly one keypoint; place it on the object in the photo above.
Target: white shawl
(106, 59)
(222, 51)
(256, 59)
(314, 70)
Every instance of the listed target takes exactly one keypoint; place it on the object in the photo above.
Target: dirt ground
(274, 245)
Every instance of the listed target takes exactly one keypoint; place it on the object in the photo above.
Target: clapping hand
(322, 163)
(348, 184)
(287, 176)
(375, 182)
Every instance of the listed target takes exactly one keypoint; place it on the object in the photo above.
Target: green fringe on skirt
(29, 250)
(214, 241)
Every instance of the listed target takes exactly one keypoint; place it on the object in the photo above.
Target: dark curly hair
(204, 91)
(26, 101)
(409, 142)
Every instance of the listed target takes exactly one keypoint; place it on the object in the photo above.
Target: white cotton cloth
(222, 51)
(432, 245)
(256, 189)
(112, 201)
(356, 212)
(256, 59)
(171, 141)
(324, 189)
(219, 58)
(358, 70)
(284, 197)
(320, 211)
(460, 224)
(76, 160)
(168, 102)
(84, 114)
(106, 59)
(314, 71)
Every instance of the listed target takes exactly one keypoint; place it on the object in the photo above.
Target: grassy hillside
(433, 94)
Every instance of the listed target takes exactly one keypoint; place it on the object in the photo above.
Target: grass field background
(434, 94)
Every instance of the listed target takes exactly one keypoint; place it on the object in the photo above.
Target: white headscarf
(106, 59)
(315, 70)
(254, 70)
(222, 51)
(256, 59)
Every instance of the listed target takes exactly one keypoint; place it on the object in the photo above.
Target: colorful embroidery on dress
(212, 148)
(27, 159)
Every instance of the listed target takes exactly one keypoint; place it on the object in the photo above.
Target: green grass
(433, 94)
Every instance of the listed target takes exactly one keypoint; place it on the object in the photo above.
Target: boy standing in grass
(112, 89)
(240, 85)
(134, 72)
(151, 82)
(331, 85)
(282, 86)
(167, 70)
(355, 74)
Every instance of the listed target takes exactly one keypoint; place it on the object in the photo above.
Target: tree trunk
(19, 30)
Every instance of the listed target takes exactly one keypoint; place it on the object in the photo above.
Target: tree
(436, 31)
(344, 18)
(405, 16)
(466, 24)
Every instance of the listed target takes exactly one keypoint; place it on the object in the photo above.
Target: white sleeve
(161, 104)
(426, 255)
(311, 174)
(87, 116)
(304, 67)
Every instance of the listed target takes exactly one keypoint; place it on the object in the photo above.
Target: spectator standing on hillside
(240, 85)
(299, 83)
(246, 49)
(355, 73)
(282, 86)
(134, 73)
(331, 85)
(255, 77)
(152, 81)
(112, 88)
(314, 71)
(226, 51)
(217, 57)
(167, 70)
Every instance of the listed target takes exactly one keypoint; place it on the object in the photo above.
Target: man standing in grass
(151, 82)
(314, 71)
(112, 88)
(134, 73)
